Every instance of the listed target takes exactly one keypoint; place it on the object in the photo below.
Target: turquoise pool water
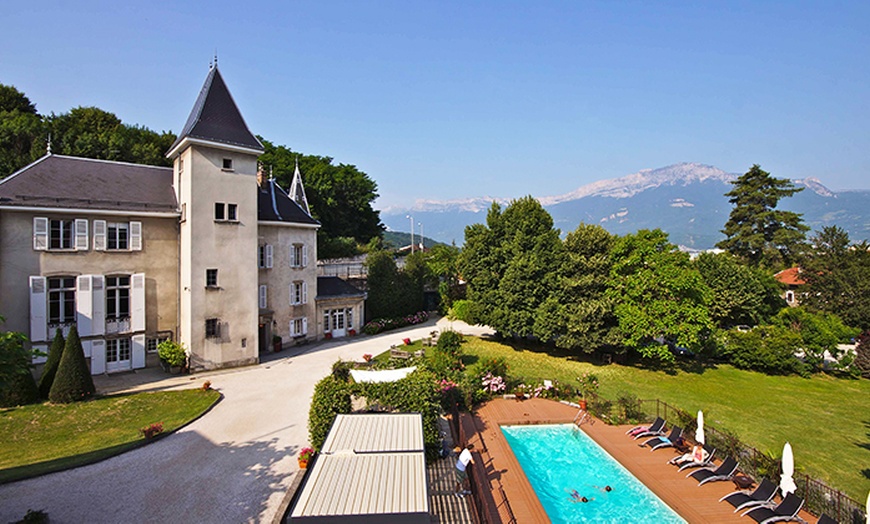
(560, 458)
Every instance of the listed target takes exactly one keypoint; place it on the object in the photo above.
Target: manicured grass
(826, 419)
(48, 437)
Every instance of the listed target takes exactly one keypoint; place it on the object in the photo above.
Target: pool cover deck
(695, 504)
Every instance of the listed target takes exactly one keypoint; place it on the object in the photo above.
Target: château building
(210, 252)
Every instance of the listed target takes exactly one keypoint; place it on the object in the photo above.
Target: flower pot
(582, 404)
(303, 464)
(175, 370)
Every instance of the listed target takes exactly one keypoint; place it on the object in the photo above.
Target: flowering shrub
(306, 453)
(152, 431)
(450, 393)
(493, 383)
(588, 385)
(206, 385)
(445, 386)
(380, 325)
(546, 391)
(367, 357)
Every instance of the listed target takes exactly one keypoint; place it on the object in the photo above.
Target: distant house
(208, 252)
(791, 279)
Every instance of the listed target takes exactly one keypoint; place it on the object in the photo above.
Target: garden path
(233, 465)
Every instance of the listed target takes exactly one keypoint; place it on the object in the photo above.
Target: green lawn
(827, 420)
(44, 437)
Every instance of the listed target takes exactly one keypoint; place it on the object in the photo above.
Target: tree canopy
(658, 294)
(756, 231)
(837, 274)
(340, 197)
(743, 295)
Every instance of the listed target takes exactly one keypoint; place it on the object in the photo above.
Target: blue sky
(441, 100)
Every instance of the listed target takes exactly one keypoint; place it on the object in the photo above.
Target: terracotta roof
(275, 205)
(83, 183)
(790, 277)
(216, 118)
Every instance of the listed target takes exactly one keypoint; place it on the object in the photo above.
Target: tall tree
(443, 263)
(756, 230)
(340, 196)
(741, 294)
(578, 315)
(510, 263)
(837, 274)
(658, 293)
(21, 131)
(482, 263)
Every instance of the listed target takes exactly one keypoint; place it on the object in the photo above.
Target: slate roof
(82, 183)
(334, 287)
(275, 205)
(216, 118)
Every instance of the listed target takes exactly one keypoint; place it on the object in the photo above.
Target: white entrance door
(338, 326)
(118, 355)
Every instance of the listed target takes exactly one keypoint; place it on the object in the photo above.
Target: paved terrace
(693, 503)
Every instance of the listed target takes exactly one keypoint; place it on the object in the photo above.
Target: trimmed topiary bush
(49, 371)
(73, 381)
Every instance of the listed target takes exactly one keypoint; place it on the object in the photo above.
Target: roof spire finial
(48, 145)
(271, 176)
(215, 56)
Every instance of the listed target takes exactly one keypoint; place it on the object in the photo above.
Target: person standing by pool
(462, 463)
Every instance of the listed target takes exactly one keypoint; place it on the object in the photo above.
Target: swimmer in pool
(604, 489)
(577, 497)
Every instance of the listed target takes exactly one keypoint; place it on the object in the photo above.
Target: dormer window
(228, 164)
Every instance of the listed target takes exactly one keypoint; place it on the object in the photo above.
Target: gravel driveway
(232, 465)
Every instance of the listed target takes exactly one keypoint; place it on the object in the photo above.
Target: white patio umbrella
(699, 433)
(786, 484)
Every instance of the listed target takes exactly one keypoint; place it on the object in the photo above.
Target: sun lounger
(654, 429)
(785, 511)
(762, 495)
(825, 519)
(692, 463)
(665, 442)
(725, 471)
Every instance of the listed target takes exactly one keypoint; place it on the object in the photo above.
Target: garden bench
(398, 353)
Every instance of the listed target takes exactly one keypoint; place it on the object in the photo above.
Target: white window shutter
(40, 233)
(135, 236)
(262, 297)
(292, 328)
(137, 302)
(98, 357)
(137, 351)
(38, 327)
(269, 256)
(81, 234)
(99, 235)
(304, 292)
(305, 326)
(84, 305)
(304, 256)
(292, 295)
(98, 304)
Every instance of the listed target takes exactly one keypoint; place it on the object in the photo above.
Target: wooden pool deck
(695, 504)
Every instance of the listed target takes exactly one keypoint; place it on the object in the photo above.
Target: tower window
(228, 164)
(220, 211)
(211, 277)
(232, 213)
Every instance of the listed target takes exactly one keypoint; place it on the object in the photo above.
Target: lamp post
(412, 232)
(422, 238)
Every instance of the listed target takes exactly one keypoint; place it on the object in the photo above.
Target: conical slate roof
(215, 117)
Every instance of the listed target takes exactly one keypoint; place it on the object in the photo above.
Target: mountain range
(687, 200)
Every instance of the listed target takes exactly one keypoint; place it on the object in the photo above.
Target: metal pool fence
(819, 497)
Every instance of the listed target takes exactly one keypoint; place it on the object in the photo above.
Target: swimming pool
(560, 458)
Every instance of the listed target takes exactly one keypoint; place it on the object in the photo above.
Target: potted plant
(277, 343)
(305, 456)
(173, 354)
(520, 392)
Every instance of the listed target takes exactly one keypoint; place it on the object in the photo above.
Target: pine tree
(49, 371)
(73, 381)
(758, 232)
(862, 354)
